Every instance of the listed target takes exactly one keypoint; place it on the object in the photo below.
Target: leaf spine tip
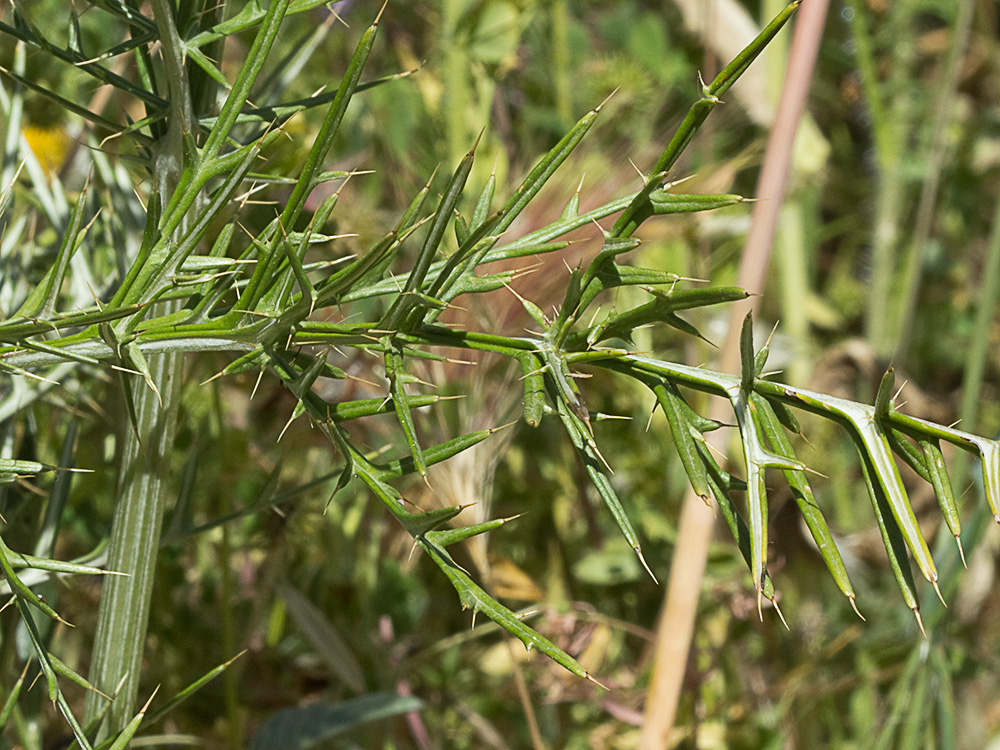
(774, 603)
(854, 606)
(590, 678)
(937, 591)
(642, 559)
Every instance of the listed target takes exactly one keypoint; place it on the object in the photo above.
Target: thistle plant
(181, 275)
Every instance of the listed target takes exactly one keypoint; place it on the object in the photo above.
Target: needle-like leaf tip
(961, 551)
(642, 559)
(145, 708)
(920, 622)
(223, 666)
(64, 622)
(587, 676)
(854, 606)
(774, 603)
(938, 592)
(606, 100)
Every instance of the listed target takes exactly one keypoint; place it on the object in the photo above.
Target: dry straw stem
(676, 626)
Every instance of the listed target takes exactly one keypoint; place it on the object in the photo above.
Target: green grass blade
(900, 700)
(917, 713)
(326, 640)
(320, 724)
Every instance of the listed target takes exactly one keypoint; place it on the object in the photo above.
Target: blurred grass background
(882, 256)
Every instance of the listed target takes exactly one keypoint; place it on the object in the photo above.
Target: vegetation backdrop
(149, 148)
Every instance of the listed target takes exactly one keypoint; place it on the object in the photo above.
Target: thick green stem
(145, 469)
(135, 537)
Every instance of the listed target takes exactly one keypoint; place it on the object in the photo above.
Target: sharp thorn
(774, 603)
(217, 375)
(587, 676)
(937, 591)
(606, 100)
(283, 429)
(651, 413)
(854, 606)
(642, 559)
(256, 384)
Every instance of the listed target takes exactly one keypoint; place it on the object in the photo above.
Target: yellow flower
(49, 144)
